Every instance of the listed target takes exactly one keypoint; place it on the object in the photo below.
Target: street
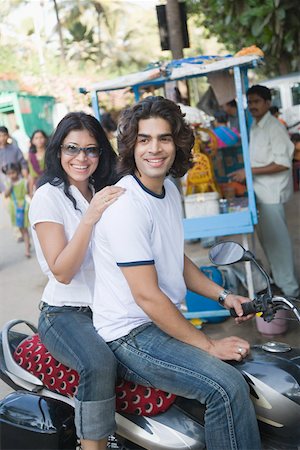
(21, 280)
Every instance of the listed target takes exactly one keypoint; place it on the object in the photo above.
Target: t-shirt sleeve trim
(136, 263)
(34, 223)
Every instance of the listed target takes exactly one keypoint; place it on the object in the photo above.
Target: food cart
(162, 75)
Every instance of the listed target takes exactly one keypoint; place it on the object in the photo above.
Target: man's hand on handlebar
(235, 302)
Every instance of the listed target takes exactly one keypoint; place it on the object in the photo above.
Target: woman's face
(81, 166)
(39, 140)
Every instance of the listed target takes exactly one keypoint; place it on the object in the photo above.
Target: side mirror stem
(248, 256)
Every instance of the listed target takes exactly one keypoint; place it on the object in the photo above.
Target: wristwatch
(223, 295)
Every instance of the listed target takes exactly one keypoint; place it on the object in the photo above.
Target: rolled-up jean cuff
(95, 420)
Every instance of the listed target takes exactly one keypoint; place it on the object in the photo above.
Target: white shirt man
(142, 274)
(271, 154)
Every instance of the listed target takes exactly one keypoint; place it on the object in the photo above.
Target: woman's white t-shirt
(50, 204)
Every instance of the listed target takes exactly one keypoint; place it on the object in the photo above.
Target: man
(231, 109)
(142, 275)
(9, 153)
(271, 155)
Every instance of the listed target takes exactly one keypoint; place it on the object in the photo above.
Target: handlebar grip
(248, 308)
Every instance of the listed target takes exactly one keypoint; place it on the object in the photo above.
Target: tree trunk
(61, 41)
(284, 64)
(174, 28)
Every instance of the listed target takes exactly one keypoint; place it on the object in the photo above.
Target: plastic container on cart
(205, 204)
(278, 326)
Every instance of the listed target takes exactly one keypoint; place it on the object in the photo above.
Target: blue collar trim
(162, 195)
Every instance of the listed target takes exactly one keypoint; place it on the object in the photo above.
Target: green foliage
(272, 25)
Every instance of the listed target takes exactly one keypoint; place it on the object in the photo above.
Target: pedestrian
(110, 127)
(142, 275)
(63, 211)
(36, 158)
(274, 110)
(271, 155)
(17, 190)
(10, 153)
(226, 137)
(295, 138)
(231, 109)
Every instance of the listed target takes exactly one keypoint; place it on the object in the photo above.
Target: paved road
(21, 280)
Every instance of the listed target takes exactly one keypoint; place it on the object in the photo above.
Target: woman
(36, 158)
(63, 211)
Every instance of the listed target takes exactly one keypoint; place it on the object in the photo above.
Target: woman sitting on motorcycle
(63, 211)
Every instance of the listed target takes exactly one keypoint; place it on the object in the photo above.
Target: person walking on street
(63, 212)
(36, 158)
(142, 275)
(17, 191)
(10, 153)
(231, 109)
(271, 155)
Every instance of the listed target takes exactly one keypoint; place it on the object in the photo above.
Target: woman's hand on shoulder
(100, 202)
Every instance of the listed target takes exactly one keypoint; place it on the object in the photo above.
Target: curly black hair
(128, 131)
(54, 173)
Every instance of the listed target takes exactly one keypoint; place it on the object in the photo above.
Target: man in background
(10, 153)
(231, 109)
(271, 155)
(274, 110)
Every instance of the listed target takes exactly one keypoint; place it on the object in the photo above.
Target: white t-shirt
(269, 142)
(140, 228)
(50, 204)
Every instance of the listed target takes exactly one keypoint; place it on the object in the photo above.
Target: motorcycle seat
(33, 356)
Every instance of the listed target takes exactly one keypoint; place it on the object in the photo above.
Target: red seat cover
(32, 355)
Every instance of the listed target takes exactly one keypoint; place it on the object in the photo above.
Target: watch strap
(223, 295)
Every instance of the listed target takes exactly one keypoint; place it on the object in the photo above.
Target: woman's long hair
(128, 131)
(55, 174)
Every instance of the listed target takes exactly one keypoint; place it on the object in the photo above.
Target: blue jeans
(149, 356)
(69, 335)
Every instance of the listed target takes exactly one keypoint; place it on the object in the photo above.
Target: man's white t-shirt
(139, 228)
(50, 204)
(270, 142)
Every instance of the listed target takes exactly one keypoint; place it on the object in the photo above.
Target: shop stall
(228, 75)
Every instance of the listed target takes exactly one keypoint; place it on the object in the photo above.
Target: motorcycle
(36, 417)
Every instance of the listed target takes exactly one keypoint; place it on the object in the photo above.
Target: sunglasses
(74, 150)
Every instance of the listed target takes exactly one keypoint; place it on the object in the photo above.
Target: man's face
(230, 110)
(154, 152)
(3, 139)
(258, 107)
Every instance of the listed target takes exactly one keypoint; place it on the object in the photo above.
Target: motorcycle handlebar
(248, 308)
(268, 306)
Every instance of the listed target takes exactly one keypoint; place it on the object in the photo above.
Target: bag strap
(15, 199)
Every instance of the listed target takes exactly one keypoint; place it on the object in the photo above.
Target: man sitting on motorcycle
(142, 275)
